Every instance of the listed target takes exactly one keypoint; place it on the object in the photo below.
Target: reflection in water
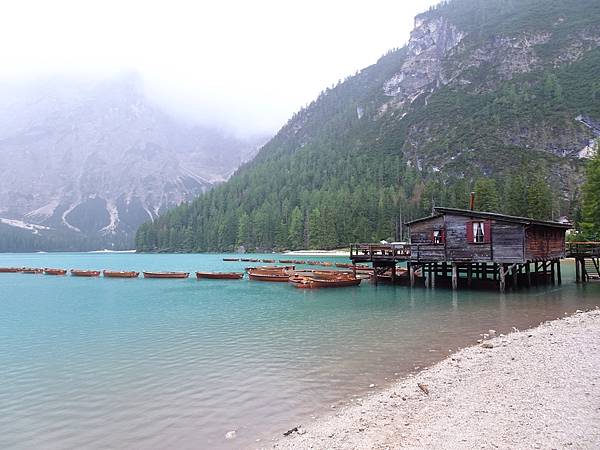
(100, 363)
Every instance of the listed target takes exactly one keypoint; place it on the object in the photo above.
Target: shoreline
(538, 388)
(339, 252)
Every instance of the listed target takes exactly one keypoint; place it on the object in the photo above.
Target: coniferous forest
(358, 162)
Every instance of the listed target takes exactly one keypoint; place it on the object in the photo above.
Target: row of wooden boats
(304, 279)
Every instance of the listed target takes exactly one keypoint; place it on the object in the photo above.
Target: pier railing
(373, 252)
(583, 249)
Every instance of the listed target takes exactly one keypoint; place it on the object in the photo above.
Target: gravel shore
(538, 388)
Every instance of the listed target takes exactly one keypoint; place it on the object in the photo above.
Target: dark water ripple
(145, 364)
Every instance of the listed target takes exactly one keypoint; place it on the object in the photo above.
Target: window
(438, 237)
(478, 233)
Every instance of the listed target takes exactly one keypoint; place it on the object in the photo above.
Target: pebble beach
(538, 388)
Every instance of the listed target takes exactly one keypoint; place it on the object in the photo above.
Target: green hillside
(496, 96)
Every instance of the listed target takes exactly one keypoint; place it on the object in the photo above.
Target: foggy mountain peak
(97, 157)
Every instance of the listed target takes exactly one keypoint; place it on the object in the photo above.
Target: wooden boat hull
(220, 275)
(316, 283)
(287, 261)
(85, 273)
(55, 271)
(166, 274)
(231, 259)
(115, 274)
(343, 265)
(277, 277)
(10, 269)
(267, 260)
(32, 270)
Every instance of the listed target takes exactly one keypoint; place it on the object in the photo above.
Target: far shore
(538, 388)
(337, 252)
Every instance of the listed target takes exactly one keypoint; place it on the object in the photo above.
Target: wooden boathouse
(461, 247)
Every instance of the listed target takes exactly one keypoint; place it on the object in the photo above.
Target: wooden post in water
(515, 274)
(411, 269)
(394, 273)
(469, 275)
(433, 275)
(528, 272)
(552, 272)
(577, 271)
(502, 273)
(558, 274)
(454, 276)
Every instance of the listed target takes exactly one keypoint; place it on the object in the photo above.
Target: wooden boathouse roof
(440, 211)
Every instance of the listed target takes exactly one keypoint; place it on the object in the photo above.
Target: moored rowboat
(85, 273)
(10, 269)
(304, 282)
(118, 274)
(269, 276)
(48, 271)
(231, 259)
(166, 274)
(33, 270)
(220, 275)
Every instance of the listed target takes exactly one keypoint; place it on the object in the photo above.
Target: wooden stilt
(558, 274)
(484, 271)
(412, 275)
(535, 274)
(552, 273)
(502, 274)
(515, 276)
(394, 274)
(528, 272)
(434, 274)
(469, 275)
(454, 276)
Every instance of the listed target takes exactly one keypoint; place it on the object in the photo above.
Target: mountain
(497, 96)
(84, 163)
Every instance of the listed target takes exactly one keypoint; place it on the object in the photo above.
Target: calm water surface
(148, 364)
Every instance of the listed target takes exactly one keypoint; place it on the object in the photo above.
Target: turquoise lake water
(148, 364)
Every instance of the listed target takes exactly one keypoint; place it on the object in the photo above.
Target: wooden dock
(587, 260)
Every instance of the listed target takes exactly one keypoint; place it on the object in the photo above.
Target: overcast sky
(246, 64)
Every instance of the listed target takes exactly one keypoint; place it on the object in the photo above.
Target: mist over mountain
(84, 162)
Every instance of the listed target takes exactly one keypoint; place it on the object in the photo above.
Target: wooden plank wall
(544, 243)
(457, 247)
(507, 242)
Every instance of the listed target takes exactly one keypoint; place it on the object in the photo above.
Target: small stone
(231, 434)
(487, 345)
(479, 341)
(371, 385)
(361, 429)
(301, 431)
(492, 332)
(331, 435)
(332, 406)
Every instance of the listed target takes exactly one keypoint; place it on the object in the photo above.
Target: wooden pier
(587, 260)
(465, 248)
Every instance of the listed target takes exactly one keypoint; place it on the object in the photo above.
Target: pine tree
(516, 196)
(539, 199)
(486, 195)
(296, 230)
(590, 224)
